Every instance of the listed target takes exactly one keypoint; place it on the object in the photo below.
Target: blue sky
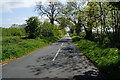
(17, 16)
(17, 11)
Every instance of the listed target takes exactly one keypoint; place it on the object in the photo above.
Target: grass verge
(17, 47)
(106, 59)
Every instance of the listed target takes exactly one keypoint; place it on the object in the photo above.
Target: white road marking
(57, 53)
(61, 44)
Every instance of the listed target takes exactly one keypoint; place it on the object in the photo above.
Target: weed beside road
(17, 47)
(107, 59)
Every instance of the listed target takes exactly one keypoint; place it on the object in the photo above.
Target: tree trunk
(52, 20)
(88, 34)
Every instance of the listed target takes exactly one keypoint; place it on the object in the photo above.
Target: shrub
(82, 35)
(32, 28)
(75, 38)
(13, 32)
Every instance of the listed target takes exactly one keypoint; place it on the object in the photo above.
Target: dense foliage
(101, 18)
(35, 28)
(32, 27)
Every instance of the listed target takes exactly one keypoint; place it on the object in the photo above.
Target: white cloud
(8, 5)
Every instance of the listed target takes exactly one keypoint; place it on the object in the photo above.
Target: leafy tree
(115, 4)
(87, 19)
(14, 25)
(32, 28)
(63, 22)
(71, 12)
(47, 29)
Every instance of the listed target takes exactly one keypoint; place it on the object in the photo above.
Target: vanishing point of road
(59, 61)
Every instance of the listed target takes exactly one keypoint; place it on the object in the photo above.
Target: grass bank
(106, 59)
(15, 47)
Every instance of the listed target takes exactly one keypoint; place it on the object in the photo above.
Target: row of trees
(104, 20)
(18, 25)
(99, 20)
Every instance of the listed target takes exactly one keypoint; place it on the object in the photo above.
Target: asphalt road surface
(58, 61)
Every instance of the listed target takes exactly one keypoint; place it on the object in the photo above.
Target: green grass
(15, 47)
(15, 42)
(107, 59)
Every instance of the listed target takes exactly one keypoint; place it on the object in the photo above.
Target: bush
(106, 42)
(82, 35)
(32, 28)
(35, 29)
(75, 38)
(13, 32)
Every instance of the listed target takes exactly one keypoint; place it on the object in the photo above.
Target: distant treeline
(13, 32)
(34, 28)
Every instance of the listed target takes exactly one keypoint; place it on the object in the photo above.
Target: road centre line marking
(57, 53)
(62, 45)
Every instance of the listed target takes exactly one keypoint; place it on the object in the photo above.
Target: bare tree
(50, 9)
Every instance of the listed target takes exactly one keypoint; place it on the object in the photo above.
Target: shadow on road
(64, 40)
(69, 61)
(88, 75)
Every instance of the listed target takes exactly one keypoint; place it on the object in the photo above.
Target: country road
(59, 61)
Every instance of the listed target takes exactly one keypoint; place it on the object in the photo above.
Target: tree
(63, 22)
(22, 26)
(46, 29)
(18, 25)
(71, 12)
(14, 25)
(51, 10)
(87, 19)
(115, 4)
(32, 27)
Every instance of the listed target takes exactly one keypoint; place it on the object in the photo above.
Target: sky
(17, 11)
